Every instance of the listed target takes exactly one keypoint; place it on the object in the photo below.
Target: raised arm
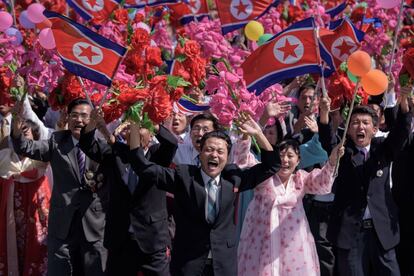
(163, 178)
(246, 179)
(320, 181)
(95, 149)
(28, 114)
(37, 150)
(164, 154)
(400, 131)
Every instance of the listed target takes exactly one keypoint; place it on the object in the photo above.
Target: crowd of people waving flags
(202, 137)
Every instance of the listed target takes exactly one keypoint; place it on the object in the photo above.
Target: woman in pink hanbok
(276, 239)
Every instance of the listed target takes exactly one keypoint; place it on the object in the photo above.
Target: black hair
(279, 130)
(216, 134)
(289, 143)
(205, 116)
(367, 110)
(305, 87)
(76, 102)
(34, 128)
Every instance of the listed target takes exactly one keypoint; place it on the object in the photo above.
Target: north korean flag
(100, 10)
(288, 54)
(187, 11)
(138, 4)
(337, 10)
(189, 108)
(343, 39)
(84, 52)
(234, 14)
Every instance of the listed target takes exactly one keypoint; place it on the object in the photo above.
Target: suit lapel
(200, 192)
(68, 148)
(226, 197)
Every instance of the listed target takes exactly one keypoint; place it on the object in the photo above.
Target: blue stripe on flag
(102, 41)
(337, 10)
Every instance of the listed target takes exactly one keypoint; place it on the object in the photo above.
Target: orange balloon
(375, 82)
(359, 63)
(44, 24)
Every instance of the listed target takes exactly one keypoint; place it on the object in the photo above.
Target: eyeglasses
(74, 116)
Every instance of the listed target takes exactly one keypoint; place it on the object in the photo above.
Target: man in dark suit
(205, 199)
(79, 197)
(364, 219)
(136, 232)
(403, 191)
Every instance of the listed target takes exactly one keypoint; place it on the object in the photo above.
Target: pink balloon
(46, 39)
(388, 4)
(35, 13)
(6, 20)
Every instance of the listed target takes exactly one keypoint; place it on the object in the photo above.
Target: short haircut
(367, 110)
(78, 101)
(279, 131)
(305, 87)
(216, 134)
(205, 116)
(289, 143)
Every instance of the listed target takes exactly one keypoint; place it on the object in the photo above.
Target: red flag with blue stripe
(138, 4)
(234, 14)
(84, 52)
(288, 54)
(189, 108)
(337, 10)
(343, 40)
(188, 11)
(98, 10)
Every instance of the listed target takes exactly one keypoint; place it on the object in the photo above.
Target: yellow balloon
(253, 30)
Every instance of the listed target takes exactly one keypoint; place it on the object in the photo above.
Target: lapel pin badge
(380, 173)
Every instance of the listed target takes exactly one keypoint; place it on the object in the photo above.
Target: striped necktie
(80, 155)
(212, 189)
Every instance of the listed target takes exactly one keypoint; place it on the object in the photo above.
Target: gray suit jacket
(68, 197)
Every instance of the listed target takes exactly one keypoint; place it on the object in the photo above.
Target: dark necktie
(364, 153)
(80, 155)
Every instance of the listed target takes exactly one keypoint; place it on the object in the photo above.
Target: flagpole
(348, 119)
(397, 30)
(84, 90)
(394, 46)
(13, 13)
(318, 53)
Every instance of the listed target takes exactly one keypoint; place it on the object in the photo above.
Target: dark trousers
(129, 259)
(318, 214)
(405, 250)
(367, 257)
(75, 256)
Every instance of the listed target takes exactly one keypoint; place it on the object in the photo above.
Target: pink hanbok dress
(276, 239)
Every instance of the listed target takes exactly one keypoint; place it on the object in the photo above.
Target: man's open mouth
(212, 164)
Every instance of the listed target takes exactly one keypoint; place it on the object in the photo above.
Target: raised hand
(324, 109)
(336, 153)
(17, 121)
(311, 124)
(248, 126)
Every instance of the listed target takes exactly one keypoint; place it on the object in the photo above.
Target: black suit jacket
(67, 197)
(145, 209)
(403, 191)
(194, 236)
(362, 183)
